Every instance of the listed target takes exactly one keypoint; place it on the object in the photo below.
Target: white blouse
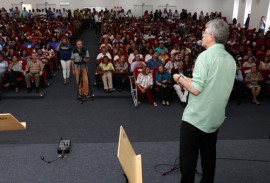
(144, 81)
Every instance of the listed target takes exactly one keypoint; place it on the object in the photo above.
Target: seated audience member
(54, 43)
(154, 62)
(249, 63)
(239, 84)
(180, 90)
(49, 51)
(106, 45)
(149, 55)
(252, 79)
(163, 56)
(24, 55)
(171, 64)
(187, 65)
(137, 63)
(15, 71)
(265, 64)
(117, 48)
(144, 84)
(103, 53)
(145, 47)
(249, 54)
(29, 43)
(176, 49)
(10, 54)
(132, 56)
(148, 36)
(33, 68)
(3, 68)
(117, 56)
(121, 72)
(160, 48)
(106, 69)
(163, 80)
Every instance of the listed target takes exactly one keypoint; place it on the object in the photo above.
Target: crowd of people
(169, 42)
(36, 42)
(33, 46)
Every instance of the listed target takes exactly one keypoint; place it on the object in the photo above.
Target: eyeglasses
(204, 32)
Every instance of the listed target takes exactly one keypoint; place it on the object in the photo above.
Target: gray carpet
(97, 163)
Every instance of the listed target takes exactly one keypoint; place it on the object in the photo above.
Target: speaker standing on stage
(80, 57)
(210, 88)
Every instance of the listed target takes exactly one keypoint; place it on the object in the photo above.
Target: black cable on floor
(60, 156)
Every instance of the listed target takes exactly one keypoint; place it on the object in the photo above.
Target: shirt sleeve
(200, 73)
(139, 79)
(150, 79)
(111, 67)
(72, 56)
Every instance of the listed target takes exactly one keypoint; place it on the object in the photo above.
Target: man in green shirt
(210, 88)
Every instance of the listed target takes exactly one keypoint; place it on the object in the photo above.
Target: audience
(167, 39)
(106, 69)
(144, 83)
(34, 69)
(15, 71)
(163, 80)
(121, 73)
(252, 79)
(180, 90)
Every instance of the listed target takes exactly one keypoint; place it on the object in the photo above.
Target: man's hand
(40, 73)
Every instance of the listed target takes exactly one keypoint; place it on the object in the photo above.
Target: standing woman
(98, 20)
(65, 58)
(262, 25)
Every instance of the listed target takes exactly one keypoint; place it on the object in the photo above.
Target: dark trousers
(13, 75)
(121, 80)
(148, 95)
(193, 141)
(164, 93)
(98, 28)
(240, 87)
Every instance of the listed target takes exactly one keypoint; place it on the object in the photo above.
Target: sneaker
(155, 104)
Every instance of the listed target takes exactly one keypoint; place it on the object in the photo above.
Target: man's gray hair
(219, 28)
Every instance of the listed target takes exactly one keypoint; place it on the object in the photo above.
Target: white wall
(259, 8)
(241, 12)
(191, 5)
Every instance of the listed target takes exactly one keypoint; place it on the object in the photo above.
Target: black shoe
(239, 102)
(79, 97)
(37, 89)
(29, 90)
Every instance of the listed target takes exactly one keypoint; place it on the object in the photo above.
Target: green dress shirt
(213, 77)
